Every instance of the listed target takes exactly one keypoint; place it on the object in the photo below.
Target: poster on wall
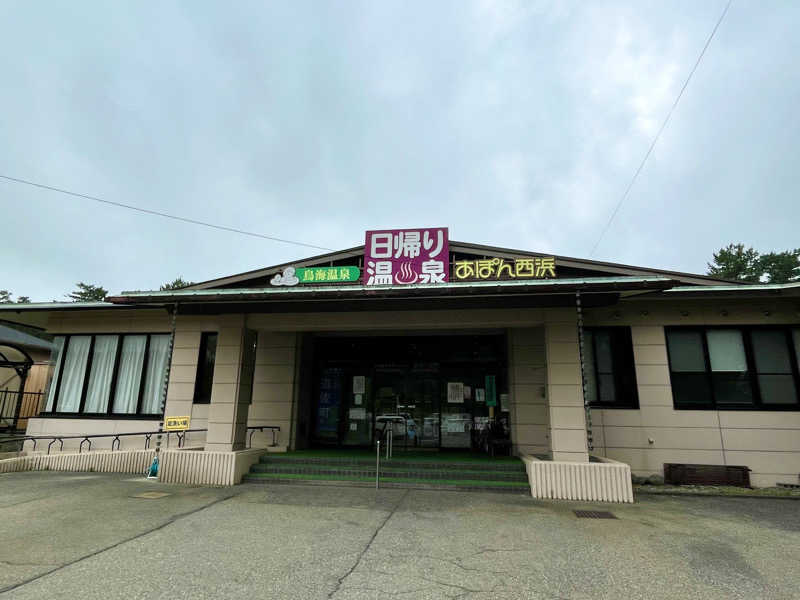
(358, 414)
(455, 392)
(491, 391)
(359, 384)
(407, 256)
(504, 403)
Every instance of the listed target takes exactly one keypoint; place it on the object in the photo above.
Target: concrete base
(121, 461)
(206, 468)
(605, 481)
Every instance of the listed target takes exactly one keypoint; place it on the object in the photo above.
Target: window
(609, 369)
(733, 367)
(96, 375)
(205, 368)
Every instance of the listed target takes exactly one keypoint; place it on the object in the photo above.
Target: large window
(108, 374)
(753, 368)
(205, 368)
(609, 369)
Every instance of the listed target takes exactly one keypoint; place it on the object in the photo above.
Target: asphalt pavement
(95, 536)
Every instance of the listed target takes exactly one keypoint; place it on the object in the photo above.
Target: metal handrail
(116, 441)
(377, 464)
(87, 439)
(261, 428)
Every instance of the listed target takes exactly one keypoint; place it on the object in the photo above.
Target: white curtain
(105, 351)
(55, 362)
(154, 380)
(129, 374)
(73, 373)
(726, 350)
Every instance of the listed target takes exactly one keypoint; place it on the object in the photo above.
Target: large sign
(295, 275)
(407, 256)
(499, 268)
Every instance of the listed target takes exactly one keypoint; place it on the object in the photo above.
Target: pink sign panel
(407, 256)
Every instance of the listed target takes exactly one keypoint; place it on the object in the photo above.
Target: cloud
(513, 123)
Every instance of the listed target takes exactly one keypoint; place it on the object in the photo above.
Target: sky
(515, 124)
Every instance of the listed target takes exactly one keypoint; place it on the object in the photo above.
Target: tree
(176, 284)
(781, 267)
(5, 297)
(88, 293)
(23, 299)
(745, 264)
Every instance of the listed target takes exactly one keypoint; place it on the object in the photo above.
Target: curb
(711, 495)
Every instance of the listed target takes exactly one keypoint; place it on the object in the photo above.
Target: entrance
(430, 389)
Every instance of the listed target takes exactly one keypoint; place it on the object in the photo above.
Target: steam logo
(288, 277)
(405, 274)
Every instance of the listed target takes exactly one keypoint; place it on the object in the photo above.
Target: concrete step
(515, 487)
(411, 472)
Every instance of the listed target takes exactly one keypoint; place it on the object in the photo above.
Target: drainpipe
(164, 385)
(587, 409)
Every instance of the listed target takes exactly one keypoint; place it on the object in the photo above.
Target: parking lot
(118, 536)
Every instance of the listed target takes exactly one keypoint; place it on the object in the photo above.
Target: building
(577, 358)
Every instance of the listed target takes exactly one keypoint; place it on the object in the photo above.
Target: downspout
(587, 409)
(164, 385)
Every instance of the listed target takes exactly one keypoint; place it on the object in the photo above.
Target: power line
(663, 126)
(161, 214)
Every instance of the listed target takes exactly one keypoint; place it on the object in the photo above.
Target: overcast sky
(514, 124)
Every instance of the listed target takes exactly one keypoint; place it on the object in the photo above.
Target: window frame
(619, 387)
(752, 371)
(201, 352)
(108, 414)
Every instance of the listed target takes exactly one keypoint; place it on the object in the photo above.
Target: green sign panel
(491, 391)
(327, 274)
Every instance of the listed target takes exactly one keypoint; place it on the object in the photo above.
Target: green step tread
(454, 482)
(506, 467)
(412, 473)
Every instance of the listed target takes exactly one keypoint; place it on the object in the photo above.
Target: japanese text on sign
(498, 268)
(293, 276)
(407, 256)
(176, 423)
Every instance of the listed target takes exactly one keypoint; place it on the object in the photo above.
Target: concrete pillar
(232, 388)
(564, 387)
(530, 417)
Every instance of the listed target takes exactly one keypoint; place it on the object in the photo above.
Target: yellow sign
(176, 423)
(498, 268)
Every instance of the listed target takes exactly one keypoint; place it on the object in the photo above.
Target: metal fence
(16, 407)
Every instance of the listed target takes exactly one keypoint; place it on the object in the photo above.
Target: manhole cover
(151, 495)
(594, 514)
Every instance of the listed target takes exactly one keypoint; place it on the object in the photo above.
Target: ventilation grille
(594, 514)
(679, 474)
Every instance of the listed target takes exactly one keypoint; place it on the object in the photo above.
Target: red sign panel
(407, 256)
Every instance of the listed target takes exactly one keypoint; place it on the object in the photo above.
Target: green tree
(5, 297)
(176, 284)
(23, 299)
(736, 262)
(746, 264)
(781, 267)
(86, 292)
